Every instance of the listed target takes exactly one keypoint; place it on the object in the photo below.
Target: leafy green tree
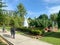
(53, 17)
(43, 20)
(7, 20)
(43, 16)
(12, 22)
(22, 12)
(58, 19)
(1, 12)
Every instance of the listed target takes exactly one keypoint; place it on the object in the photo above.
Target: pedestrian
(12, 32)
(3, 28)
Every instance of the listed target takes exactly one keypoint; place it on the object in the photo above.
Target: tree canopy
(58, 19)
(2, 4)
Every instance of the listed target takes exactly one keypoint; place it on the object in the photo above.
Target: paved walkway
(22, 40)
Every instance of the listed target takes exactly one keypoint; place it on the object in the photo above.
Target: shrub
(31, 31)
(36, 32)
(42, 32)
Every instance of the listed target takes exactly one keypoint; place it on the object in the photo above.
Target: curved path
(22, 40)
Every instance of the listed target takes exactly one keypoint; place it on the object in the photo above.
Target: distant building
(8, 12)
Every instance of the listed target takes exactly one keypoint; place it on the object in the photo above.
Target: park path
(22, 40)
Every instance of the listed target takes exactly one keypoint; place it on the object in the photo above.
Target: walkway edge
(9, 43)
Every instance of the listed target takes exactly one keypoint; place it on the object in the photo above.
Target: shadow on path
(7, 35)
(1, 32)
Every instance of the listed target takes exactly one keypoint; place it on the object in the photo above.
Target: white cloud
(54, 9)
(52, 1)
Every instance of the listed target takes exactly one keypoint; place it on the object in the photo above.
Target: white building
(8, 12)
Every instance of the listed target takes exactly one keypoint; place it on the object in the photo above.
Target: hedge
(31, 31)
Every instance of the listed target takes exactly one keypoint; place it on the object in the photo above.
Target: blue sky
(35, 7)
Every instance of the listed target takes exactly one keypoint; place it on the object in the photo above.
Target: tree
(43, 16)
(7, 19)
(22, 12)
(53, 17)
(43, 20)
(58, 19)
(1, 12)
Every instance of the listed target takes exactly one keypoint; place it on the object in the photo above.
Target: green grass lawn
(52, 37)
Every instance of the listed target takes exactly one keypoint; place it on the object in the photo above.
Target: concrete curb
(9, 43)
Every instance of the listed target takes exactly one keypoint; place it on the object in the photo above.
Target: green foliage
(12, 22)
(1, 12)
(58, 19)
(16, 22)
(53, 17)
(42, 21)
(33, 31)
(43, 16)
(7, 20)
(32, 22)
(22, 12)
(36, 32)
(17, 19)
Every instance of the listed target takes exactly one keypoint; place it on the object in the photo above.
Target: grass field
(52, 37)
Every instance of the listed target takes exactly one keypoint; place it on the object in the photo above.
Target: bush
(42, 32)
(31, 31)
(36, 32)
(24, 29)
